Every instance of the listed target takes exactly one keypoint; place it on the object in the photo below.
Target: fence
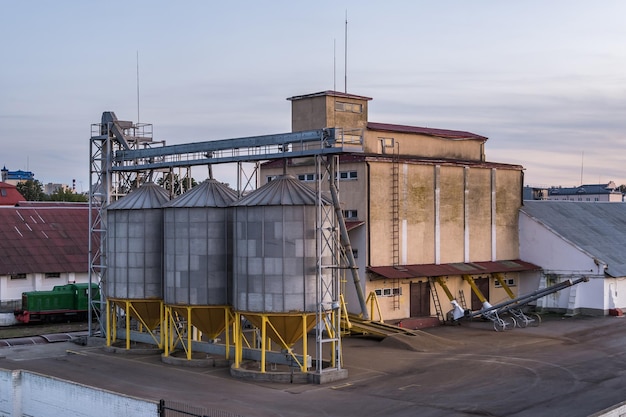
(168, 408)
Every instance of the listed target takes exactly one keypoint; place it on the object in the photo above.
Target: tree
(61, 194)
(32, 190)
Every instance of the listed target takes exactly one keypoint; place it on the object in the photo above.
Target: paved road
(566, 367)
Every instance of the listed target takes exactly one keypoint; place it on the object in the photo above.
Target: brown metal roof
(9, 196)
(443, 133)
(438, 270)
(40, 240)
(329, 93)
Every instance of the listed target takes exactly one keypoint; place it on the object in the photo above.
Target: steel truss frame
(123, 156)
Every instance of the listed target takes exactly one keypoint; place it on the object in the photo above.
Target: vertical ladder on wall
(395, 224)
(462, 299)
(543, 283)
(571, 303)
(436, 302)
(395, 289)
(395, 208)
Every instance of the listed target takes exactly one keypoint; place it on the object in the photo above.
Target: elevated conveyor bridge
(123, 155)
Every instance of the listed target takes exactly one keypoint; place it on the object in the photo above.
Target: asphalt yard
(566, 367)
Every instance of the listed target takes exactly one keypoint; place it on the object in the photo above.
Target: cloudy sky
(545, 81)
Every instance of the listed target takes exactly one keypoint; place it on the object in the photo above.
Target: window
(53, 275)
(350, 214)
(271, 177)
(510, 282)
(18, 276)
(306, 177)
(355, 253)
(387, 292)
(3, 192)
(387, 144)
(347, 175)
(348, 107)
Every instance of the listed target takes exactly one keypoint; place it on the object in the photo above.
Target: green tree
(61, 194)
(32, 190)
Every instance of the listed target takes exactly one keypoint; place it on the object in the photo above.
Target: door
(483, 286)
(420, 299)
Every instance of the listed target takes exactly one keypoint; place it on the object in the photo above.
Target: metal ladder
(435, 296)
(462, 299)
(395, 210)
(395, 225)
(571, 303)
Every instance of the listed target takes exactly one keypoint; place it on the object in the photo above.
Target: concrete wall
(453, 213)
(424, 146)
(319, 112)
(29, 394)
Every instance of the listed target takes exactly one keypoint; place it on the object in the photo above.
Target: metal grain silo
(198, 257)
(275, 268)
(134, 253)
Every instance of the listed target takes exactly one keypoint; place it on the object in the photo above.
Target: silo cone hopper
(148, 314)
(282, 328)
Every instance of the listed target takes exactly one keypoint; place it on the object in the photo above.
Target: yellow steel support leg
(472, 284)
(161, 333)
(227, 331)
(502, 282)
(189, 335)
(303, 367)
(238, 339)
(108, 322)
(443, 285)
(166, 331)
(127, 309)
(263, 337)
(374, 302)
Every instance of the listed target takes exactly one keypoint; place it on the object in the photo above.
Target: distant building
(9, 196)
(535, 193)
(574, 240)
(42, 246)
(590, 193)
(51, 188)
(15, 177)
(587, 193)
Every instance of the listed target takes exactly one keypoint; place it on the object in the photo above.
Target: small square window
(18, 276)
(53, 275)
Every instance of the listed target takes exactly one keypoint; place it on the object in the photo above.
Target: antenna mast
(334, 64)
(345, 66)
(582, 163)
(137, 86)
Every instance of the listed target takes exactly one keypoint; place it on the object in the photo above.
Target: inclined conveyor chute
(513, 306)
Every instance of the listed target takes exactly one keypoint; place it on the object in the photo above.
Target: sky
(545, 81)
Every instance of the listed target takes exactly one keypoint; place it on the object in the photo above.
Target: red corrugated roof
(438, 270)
(40, 240)
(443, 133)
(9, 196)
